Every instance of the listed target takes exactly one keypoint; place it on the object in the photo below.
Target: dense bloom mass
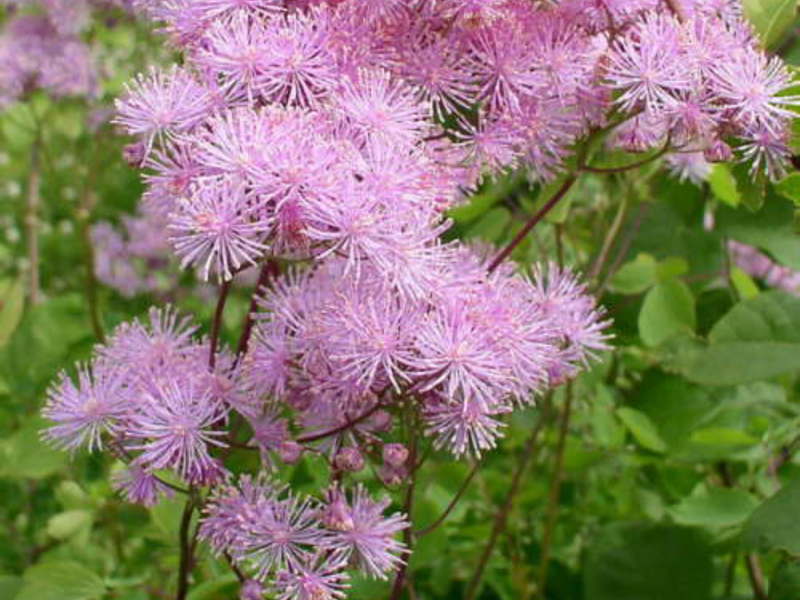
(43, 49)
(333, 136)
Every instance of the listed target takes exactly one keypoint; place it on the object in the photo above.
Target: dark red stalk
(269, 270)
(216, 326)
(551, 204)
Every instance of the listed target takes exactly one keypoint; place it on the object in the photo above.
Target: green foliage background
(676, 478)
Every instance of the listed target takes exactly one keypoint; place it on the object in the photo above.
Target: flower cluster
(334, 136)
(302, 547)
(43, 50)
(134, 261)
(336, 344)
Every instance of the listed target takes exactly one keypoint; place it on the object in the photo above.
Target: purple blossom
(468, 427)
(360, 530)
(648, 66)
(251, 590)
(163, 104)
(140, 486)
(175, 429)
(85, 411)
(219, 228)
(260, 525)
(321, 578)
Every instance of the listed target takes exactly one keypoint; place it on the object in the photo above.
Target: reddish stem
(551, 204)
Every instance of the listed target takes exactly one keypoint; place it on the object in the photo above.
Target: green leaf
(770, 18)
(642, 428)
(10, 586)
(723, 185)
(774, 524)
(641, 561)
(72, 496)
(491, 226)
(166, 516)
(25, 455)
(12, 301)
(718, 507)
(758, 339)
(63, 580)
(789, 187)
(668, 310)
(785, 581)
(483, 201)
(674, 405)
(672, 267)
(770, 229)
(753, 190)
(739, 362)
(744, 284)
(771, 317)
(722, 436)
(636, 276)
(66, 524)
(607, 429)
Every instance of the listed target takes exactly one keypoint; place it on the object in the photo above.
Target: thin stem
(453, 503)
(555, 488)
(122, 453)
(186, 551)
(756, 575)
(313, 437)
(32, 219)
(676, 8)
(216, 326)
(268, 270)
(630, 166)
(526, 457)
(91, 276)
(550, 205)
(751, 561)
(624, 247)
(610, 238)
(234, 567)
(560, 245)
(408, 507)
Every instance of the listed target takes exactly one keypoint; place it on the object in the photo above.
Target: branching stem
(313, 437)
(216, 326)
(555, 488)
(408, 507)
(534, 220)
(526, 457)
(268, 270)
(453, 503)
(186, 548)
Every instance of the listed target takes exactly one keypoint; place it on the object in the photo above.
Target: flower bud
(290, 452)
(718, 151)
(349, 459)
(134, 154)
(392, 476)
(395, 455)
(251, 590)
(381, 421)
(299, 401)
(336, 515)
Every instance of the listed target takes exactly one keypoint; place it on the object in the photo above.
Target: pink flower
(219, 228)
(163, 104)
